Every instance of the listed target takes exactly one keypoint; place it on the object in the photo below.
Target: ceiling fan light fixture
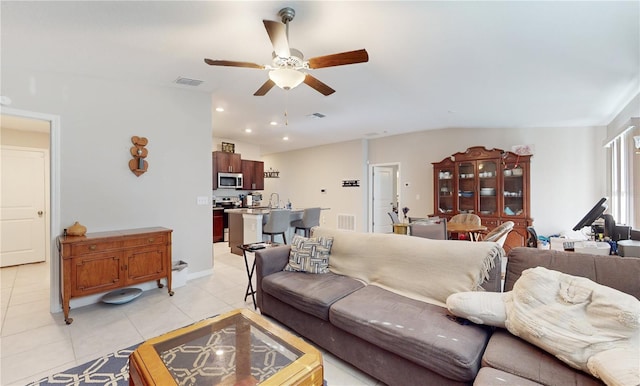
(286, 78)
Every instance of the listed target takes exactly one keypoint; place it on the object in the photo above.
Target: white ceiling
(432, 65)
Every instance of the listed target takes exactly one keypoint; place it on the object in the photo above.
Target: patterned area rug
(109, 370)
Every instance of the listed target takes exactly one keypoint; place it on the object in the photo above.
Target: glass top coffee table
(239, 348)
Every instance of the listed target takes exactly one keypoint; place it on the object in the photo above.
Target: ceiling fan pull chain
(286, 107)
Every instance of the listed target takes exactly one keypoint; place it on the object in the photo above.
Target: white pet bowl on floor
(121, 296)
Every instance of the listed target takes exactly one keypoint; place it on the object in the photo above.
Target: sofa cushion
(488, 376)
(612, 271)
(310, 293)
(309, 254)
(418, 331)
(513, 355)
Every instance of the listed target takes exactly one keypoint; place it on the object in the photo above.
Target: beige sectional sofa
(369, 312)
(381, 307)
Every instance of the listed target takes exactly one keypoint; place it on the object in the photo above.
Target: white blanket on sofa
(589, 326)
(415, 267)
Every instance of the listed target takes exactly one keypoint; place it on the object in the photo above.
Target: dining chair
(433, 230)
(277, 224)
(499, 234)
(310, 218)
(532, 241)
(466, 218)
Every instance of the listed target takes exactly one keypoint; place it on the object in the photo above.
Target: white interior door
(383, 197)
(22, 205)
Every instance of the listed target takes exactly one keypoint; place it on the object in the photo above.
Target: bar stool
(310, 218)
(277, 224)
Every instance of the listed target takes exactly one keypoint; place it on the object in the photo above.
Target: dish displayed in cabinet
(487, 191)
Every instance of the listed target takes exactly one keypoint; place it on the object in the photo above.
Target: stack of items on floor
(379, 302)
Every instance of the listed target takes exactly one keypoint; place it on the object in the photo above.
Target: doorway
(23, 199)
(13, 122)
(383, 196)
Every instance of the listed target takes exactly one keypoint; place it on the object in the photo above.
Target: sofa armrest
(494, 281)
(268, 261)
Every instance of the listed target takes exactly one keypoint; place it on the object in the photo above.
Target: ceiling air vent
(316, 115)
(188, 82)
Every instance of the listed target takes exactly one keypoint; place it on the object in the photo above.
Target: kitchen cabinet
(224, 162)
(253, 175)
(105, 261)
(218, 225)
(494, 184)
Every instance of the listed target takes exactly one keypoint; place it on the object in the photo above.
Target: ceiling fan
(286, 68)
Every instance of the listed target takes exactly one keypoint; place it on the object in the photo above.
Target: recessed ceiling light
(285, 138)
(273, 123)
(247, 130)
(219, 109)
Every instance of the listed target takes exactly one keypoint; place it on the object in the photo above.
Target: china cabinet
(494, 184)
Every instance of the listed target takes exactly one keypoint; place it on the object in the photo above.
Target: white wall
(97, 120)
(567, 171)
(304, 173)
(619, 123)
(246, 150)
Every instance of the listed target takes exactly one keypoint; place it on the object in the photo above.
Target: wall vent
(188, 82)
(347, 222)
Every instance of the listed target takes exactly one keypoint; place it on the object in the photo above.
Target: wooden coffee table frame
(147, 368)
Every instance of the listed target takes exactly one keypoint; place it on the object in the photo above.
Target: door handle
(40, 213)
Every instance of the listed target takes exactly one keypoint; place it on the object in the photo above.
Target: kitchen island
(245, 225)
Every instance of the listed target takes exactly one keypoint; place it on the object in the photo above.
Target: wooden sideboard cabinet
(105, 261)
(494, 184)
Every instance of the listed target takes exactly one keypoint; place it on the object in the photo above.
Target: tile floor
(35, 343)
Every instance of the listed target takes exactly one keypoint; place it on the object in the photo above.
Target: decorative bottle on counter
(288, 204)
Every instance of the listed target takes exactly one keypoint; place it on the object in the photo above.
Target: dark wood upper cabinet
(224, 162)
(252, 175)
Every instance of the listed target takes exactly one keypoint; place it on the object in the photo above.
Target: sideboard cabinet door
(96, 273)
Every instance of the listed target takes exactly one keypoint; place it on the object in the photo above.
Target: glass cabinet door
(513, 186)
(466, 187)
(488, 186)
(445, 190)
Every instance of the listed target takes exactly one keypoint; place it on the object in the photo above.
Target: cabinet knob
(92, 247)
(151, 239)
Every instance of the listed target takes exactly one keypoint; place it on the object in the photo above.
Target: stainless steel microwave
(229, 180)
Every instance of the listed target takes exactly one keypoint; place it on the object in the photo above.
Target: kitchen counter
(245, 225)
(261, 210)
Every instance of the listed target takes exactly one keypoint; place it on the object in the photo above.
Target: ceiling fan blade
(351, 57)
(278, 36)
(318, 85)
(265, 88)
(233, 64)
